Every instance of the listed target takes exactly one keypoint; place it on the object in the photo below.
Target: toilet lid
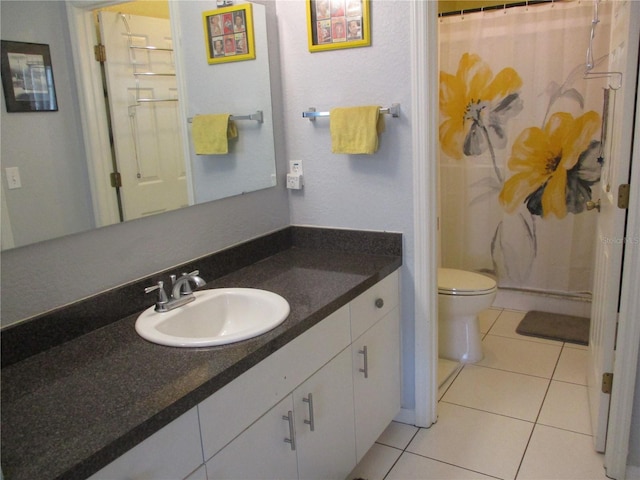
(452, 281)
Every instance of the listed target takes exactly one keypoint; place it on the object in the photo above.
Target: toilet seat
(460, 282)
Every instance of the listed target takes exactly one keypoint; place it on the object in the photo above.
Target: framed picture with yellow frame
(336, 24)
(228, 34)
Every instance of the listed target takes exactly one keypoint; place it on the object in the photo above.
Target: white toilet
(462, 296)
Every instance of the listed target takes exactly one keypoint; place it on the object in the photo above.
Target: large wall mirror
(131, 114)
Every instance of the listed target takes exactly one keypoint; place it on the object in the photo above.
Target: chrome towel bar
(258, 117)
(393, 110)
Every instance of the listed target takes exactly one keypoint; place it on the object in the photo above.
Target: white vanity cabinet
(259, 425)
(232, 409)
(282, 445)
(375, 329)
(355, 396)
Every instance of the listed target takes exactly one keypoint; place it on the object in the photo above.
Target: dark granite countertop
(70, 410)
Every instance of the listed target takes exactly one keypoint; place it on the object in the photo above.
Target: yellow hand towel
(355, 129)
(211, 133)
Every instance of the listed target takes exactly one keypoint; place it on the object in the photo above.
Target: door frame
(424, 52)
(92, 109)
(628, 336)
(424, 122)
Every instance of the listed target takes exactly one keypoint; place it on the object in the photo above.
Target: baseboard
(526, 301)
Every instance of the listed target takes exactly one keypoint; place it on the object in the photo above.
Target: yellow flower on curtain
(555, 166)
(476, 105)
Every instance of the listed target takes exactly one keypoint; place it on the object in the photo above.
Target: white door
(144, 113)
(610, 235)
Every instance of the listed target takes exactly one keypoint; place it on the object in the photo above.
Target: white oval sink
(216, 317)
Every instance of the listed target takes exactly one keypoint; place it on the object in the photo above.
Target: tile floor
(521, 413)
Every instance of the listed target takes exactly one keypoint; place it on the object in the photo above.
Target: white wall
(46, 146)
(371, 192)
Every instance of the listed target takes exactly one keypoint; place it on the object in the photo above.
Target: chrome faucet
(181, 292)
(181, 286)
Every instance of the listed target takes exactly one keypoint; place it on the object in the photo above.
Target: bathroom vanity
(305, 400)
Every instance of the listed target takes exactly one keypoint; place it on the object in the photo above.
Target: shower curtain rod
(496, 7)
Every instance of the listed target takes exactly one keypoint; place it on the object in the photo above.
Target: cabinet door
(260, 452)
(228, 412)
(172, 452)
(325, 421)
(376, 380)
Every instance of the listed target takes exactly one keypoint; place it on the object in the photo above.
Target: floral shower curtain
(520, 150)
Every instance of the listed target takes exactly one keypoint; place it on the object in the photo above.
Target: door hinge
(623, 196)
(116, 180)
(607, 382)
(100, 53)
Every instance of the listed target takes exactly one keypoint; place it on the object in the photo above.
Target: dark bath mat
(554, 326)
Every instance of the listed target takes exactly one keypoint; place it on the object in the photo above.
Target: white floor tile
(558, 454)
(397, 435)
(496, 391)
(479, 441)
(444, 386)
(376, 463)
(446, 368)
(520, 356)
(572, 366)
(567, 406)
(487, 317)
(501, 397)
(415, 467)
(506, 326)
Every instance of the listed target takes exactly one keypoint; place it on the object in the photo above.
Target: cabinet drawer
(367, 309)
(229, 411)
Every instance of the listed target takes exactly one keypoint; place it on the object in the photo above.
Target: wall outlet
(294, 181)
(295, 166)
(13, 177)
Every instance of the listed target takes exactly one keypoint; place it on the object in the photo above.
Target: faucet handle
(162, 295)
(186, 287)
(174, 277)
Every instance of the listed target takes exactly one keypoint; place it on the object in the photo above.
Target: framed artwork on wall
(27, 77)
(336, 24)
(229, 34)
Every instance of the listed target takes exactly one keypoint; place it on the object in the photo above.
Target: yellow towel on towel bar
(211, 133)
(355, 129)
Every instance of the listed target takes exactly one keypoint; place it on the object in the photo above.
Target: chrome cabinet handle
(379, 302)
(292, 434)
(310, 422)
(365, 370)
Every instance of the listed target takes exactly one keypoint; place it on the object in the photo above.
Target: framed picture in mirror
(229, 34)
(27, 77)
(335, 24)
